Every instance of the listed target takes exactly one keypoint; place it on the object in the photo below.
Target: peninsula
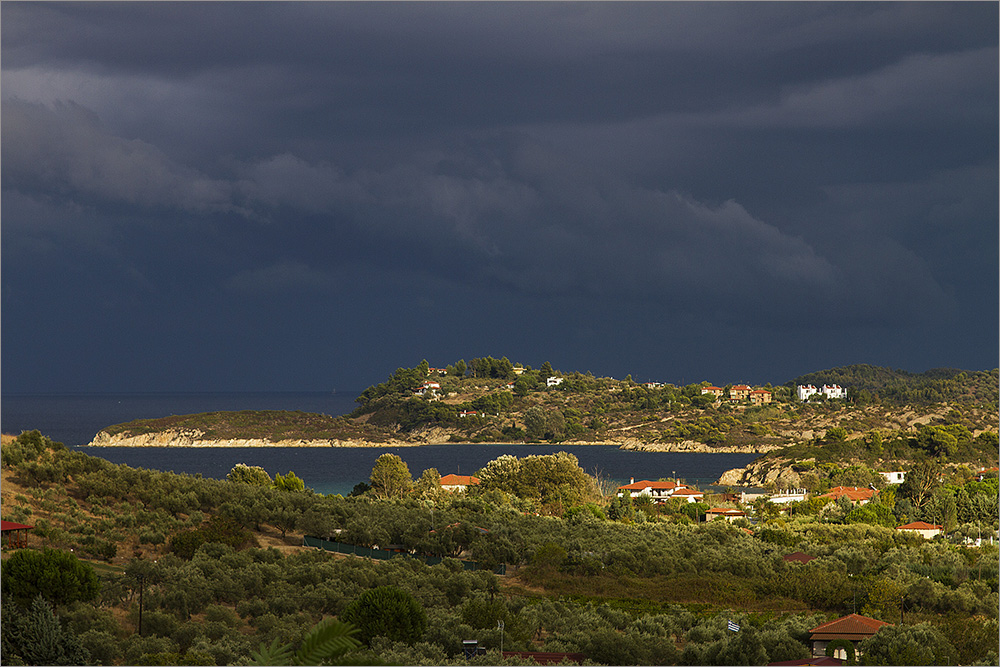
(494, 401)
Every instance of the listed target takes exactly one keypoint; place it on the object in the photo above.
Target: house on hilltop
(760, 396)
(894, 477)
(739, 392)
(714, 391)
(832, 391)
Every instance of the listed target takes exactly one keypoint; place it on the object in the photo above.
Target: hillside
(496, 401)
(221, 569)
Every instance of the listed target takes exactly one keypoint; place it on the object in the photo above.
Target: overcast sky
(307, 196)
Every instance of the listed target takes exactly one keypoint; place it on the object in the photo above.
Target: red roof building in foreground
(853, 627)
(15, 535)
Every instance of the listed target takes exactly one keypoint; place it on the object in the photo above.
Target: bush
(58, 576)
(388, 612)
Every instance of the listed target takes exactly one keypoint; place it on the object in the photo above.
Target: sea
(74, 420)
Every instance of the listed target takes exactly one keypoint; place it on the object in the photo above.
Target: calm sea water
(74, 419)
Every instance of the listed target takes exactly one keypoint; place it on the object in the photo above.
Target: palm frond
(273, 654)
(327, 641)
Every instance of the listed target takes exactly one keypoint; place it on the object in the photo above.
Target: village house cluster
(831, 391)
(740, 392)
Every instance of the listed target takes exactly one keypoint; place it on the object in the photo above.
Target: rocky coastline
(195, 438)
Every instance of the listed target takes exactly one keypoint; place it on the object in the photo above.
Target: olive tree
(390, 477)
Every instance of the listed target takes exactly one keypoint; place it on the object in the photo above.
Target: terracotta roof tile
(852, 624)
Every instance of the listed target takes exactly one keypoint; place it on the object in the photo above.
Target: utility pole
(142, 581)
(500, 627)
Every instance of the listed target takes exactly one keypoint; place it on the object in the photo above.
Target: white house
(689, 495)
(834, 391)
(432, 387)
(729, 515)
(553, 381)
(658, 491)
(804, 391)
(894, 477)
(927, 530)
(778, 497)
(458, 482)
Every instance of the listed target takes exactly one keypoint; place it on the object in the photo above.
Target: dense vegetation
(875, 384)
(622, 582)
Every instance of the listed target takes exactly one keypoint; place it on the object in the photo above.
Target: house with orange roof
(714, 391)
(690, 495)
(853, 493)
(739, 392)
(927, 530)
(658, 491)
(727, 514)
(760, 396)
(854, 628)
(458, 482)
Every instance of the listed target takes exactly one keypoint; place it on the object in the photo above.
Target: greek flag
(734, 627)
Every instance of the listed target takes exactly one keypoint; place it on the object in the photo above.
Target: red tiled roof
(688, 492)
(10, 525)
(919, 525)
(852, 624)
(646, 484)
(852, 493)
(466, 480)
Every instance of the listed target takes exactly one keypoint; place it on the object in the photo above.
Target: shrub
(388, 612)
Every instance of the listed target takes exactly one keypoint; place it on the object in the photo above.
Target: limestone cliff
(194, 438)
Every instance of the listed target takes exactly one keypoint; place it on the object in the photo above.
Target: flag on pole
(734, 627)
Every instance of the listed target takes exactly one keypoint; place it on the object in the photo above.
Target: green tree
(288, 482)
(921, 644)
(535, 422)
(245, 474)
(390, 477)
(58, 576)
(429, 483)
(920, 483)
(34, 636)
(387, 611)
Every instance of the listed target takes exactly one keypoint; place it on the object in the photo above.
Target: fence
(385, 554)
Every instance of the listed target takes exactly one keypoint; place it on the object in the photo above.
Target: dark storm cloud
(824, 168)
